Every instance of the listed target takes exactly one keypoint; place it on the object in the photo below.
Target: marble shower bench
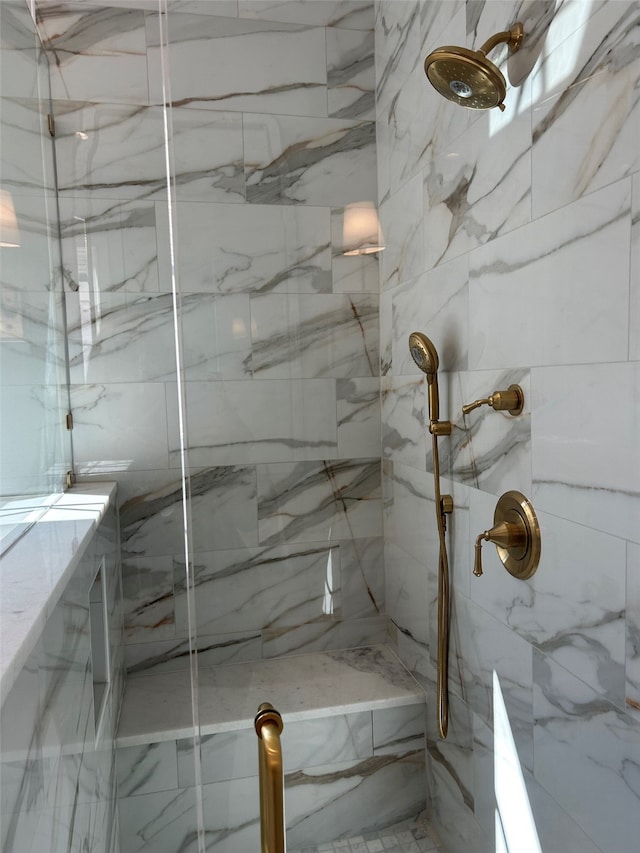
(353, 750)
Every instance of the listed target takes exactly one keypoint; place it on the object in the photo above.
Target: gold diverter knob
(516, 535)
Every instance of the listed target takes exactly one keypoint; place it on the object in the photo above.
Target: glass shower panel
(34, 443)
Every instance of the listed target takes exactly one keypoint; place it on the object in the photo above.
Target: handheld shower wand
(425, 356)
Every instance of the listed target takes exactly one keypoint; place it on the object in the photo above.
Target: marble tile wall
(272, 133)
(57, 760)
(512, 241)
(34, 448)
(338, 774)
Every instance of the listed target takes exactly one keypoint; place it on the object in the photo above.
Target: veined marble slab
(34, 572)
(158, 707)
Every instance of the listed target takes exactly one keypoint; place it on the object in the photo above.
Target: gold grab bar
(269, 725)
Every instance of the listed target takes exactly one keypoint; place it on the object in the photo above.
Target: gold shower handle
(511, 400)
(516, 535)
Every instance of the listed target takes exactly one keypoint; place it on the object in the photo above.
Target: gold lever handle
(515, 533)
(505, 535)
(511, 400)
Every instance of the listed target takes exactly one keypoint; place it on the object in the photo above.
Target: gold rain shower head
(467, 77)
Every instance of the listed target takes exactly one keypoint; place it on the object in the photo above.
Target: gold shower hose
(443, 601)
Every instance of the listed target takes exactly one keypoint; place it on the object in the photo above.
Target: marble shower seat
(158, 707)
(353, 751)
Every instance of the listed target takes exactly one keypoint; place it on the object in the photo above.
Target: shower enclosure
(249, 388)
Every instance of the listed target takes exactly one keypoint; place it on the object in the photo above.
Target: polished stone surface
(158, 707)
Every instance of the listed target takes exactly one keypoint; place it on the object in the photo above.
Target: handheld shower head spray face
(425, 355)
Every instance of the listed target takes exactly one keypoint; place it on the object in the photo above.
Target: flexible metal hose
(443, 602)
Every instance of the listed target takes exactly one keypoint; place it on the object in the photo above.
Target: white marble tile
(119, 427)
(249, 249)
(351, 14)
(434, 17)
(247, 590)
(147, 769)
(358, 417)
(404, 419)
(362, 575)
(484, 645)
(121, 337)
(310, 502)
(585, 118)
(401, 218)
(25, 164)
(470, 195)
(298, 336)
(408, 509)
(236, 64)
(123, 154)
(109, 246)
(633, 628)
(587, 755)
(166, 818)
(324, 634)
(263, 421)
(437, 303)
(572, 608)
(20, 56)
(99, 54)
(149, 609)
(298, 160)
(453, 758)
(300, 686)
(26, 269)
(554, 829)
(350, 74)
(406, 592)
(634, 272)
(352, 799)
(173, 655)
(398, 45)
(306, 743)
(36, 569)
(560, 260)
(222, 507)
(398, 730)
(488, 449)
(592, 481)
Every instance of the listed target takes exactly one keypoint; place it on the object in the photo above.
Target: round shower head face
(466, 77)
(423, 353)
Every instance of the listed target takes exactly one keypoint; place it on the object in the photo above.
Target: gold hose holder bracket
(516, 535)
(511, 400)
(268, 725)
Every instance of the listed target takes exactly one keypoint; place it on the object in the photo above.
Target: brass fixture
(467, 77)
(516, 534)
(425, 356)
(511, 400)
(268, 724)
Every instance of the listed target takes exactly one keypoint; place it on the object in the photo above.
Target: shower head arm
(512, 37)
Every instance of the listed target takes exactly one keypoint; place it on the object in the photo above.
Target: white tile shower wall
(57, 761)
(512, 241)
(272, 134)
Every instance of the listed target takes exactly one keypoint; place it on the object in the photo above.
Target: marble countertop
(158, 707)
(35, 570)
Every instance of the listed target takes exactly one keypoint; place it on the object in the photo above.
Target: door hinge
(69, 420)
(51, 124)
(70, 479)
